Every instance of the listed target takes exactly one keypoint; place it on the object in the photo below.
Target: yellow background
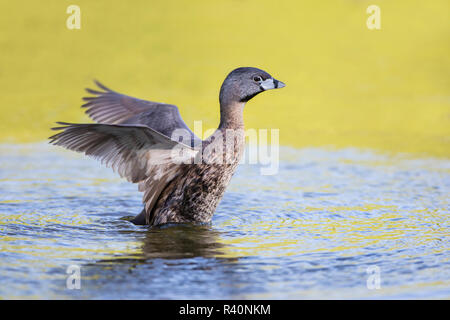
(385, 89)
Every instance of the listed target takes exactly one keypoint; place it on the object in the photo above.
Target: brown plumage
(182, 177)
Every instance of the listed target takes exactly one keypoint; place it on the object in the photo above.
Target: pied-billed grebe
(183, 178)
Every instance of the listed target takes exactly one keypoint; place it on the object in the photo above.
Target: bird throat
(231, 115)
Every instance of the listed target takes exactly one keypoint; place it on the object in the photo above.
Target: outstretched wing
(136, 152)
(108, 106)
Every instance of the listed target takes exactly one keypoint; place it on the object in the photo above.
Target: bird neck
(231, 115)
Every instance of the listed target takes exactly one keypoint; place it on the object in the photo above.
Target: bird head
(242, 84)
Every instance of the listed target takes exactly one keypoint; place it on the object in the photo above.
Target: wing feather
(110, 107)
(138, 153)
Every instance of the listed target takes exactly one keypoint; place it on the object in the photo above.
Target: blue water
(310, 231)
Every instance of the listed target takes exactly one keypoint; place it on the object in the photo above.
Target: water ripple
(311, 231)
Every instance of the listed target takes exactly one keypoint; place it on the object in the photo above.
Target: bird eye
(257, 79)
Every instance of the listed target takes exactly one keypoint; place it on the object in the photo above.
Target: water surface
(311, 231)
